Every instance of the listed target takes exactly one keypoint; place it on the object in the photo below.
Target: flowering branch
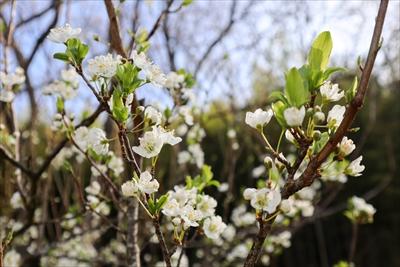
(312, 171)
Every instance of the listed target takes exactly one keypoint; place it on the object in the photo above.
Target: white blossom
(335, 115)
(12, 258)
(155, 75)
(213, 227)
(263, 199)
(93, 138)
(94, 188)
(153, 115)
(104, 66)
(191, 216)
(70, 77)
(241, 217)
(8, 81)
(152, 142)
(360, 208)
(147, 184)
(129, 188)
(294, 116)
(331, 92)
(258, 118)
(140, 60)
(116, 164)
(172, 208)
(63, 33)
(355, 168)
(207, 206)
(346, 146)
(174, 80)
(60, 88)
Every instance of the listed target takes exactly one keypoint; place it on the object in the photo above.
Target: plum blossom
(346, 146)
(93, 138)
(147, 184)
(335, 115)
(355, 168)
(129, 188)
(174, 80)
(213, 227)
(360, 211)
(153, 115)
(331, 92)
(294, 116)
(263, 199)
(258, 118)
(63, 33)
(103, 66)
(8, 81)
(152, 142)
(207, 206)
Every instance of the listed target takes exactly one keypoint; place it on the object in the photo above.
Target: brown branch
(159, 19)
(164, 249)
(116, 41)
(311, 172)
(37, 15)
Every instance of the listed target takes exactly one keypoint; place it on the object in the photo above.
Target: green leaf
(152, 206)
(61, 56)
(186, 2)
(161, 202)
(278, 108)
(329, 71)
(351, 92)
(120, 112)
(320, 52)
(278, 95)
(60, 105)
(296, 90)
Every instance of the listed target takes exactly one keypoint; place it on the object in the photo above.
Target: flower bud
(319, 117)
(268, 162)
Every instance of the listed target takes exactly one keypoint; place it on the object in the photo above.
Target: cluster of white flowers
(63, 33)
(258, 118)
(145, 185)
(360, 211)
(94, 199)
(174, 80)
(103, 66)
(281, 240)
(152, 142)
(194, 155)
(263, 199)
(188, 208)
(8, 82)
(66, 87)
(92, 138)
(331, 92)
(241, 217)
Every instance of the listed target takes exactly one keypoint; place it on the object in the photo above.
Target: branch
(159, 19)
(217, 40)
(116, 41)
